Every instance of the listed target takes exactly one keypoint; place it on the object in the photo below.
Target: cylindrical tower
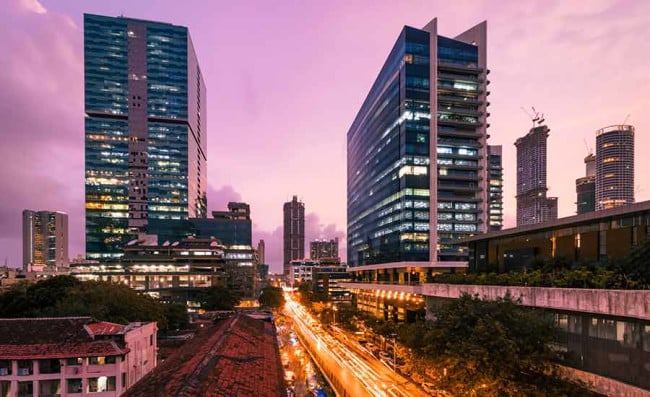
(614, 166)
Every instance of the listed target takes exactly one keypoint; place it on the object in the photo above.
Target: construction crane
(538, 118)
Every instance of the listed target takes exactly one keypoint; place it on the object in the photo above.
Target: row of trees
(483, 347)
(67, 296)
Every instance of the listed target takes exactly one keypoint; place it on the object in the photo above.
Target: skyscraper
(45, 239)
(319, 249)
(495, 173)
(294, 233)
(614, 166)
(586, 187)
(532, 204)
(417, 183)
(145, 129)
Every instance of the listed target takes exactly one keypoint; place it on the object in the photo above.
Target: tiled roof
(26, 331)
(105, 328)
(55, 337)
(236, 357)
(43, 351)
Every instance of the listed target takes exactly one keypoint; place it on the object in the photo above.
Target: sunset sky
(285, 80)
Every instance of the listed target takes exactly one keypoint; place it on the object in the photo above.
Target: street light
(394, 353)
(335, 309)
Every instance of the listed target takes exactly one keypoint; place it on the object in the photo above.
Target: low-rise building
(73, 356)
(301, 271)
(178, 271)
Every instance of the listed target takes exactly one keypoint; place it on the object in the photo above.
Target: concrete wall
(603, 385)
(622, 303)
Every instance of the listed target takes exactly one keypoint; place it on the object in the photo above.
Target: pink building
(73, 356)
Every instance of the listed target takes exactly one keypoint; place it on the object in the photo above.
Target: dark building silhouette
(586, 187)
(294, 232)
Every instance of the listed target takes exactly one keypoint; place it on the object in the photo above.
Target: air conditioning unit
(23, 371)
(4, 371)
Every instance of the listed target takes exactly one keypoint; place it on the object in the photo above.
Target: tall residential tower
(145, 129)
(532, 204)
(417, 153)
(45, 239)
(294, 233)
(614, 166)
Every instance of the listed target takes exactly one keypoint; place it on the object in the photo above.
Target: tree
(219, 298)
(176, 315)
(272, 297)
(494, 348)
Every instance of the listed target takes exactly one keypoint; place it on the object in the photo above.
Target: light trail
(376, 379)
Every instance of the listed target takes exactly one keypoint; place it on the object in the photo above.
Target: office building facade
(586, 187)
(417, 183)
(495, 186)
(294, 233)
(45, 239)
(532, 204)
(319, 249)
(145, 129)
(614, 166)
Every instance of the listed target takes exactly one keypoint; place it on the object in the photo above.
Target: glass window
(74, 386)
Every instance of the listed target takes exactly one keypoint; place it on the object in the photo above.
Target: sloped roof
(56, 337)
(236, 357)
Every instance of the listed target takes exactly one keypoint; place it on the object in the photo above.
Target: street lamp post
(394, 353)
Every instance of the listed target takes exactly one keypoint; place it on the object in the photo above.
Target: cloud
(31, 6)
(218, 199)
(40, 105)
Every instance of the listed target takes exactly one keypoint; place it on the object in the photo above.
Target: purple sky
(285, 80)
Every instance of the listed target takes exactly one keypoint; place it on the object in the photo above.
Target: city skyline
(576, 92)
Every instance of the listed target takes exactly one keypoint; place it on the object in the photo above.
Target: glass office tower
(495, 173)
(145, 137)
(417, 183)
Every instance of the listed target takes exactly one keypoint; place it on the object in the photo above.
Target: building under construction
(532, 204)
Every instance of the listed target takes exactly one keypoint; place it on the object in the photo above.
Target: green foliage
(272, 297)
(487, 348)
(219, 298)
(177, 317)
(582, 277)
(67, 296)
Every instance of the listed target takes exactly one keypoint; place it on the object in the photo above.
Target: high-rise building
(418, 183)
(261, 252)
(45, 239)
(294, 232)
(532, 204)
(614, 166)
(145, 129)
(319, 249)
(586, 187)
(495, 173)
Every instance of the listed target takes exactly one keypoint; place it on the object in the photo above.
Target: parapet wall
(620, 303)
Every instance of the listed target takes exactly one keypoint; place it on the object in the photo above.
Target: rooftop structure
(236, 357)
